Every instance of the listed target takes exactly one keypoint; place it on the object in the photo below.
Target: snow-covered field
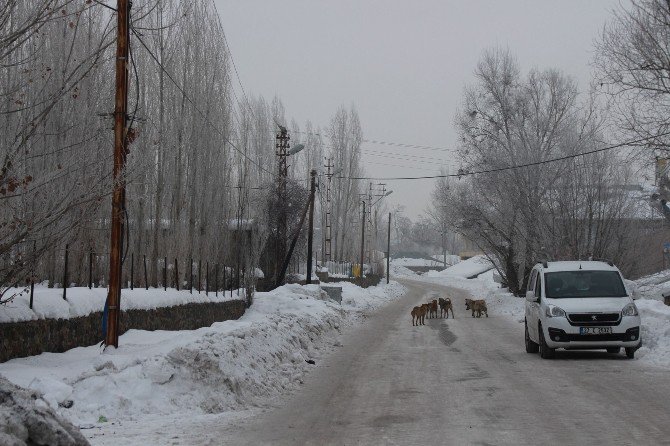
(655, 314)
(81, 301)
(230, 366)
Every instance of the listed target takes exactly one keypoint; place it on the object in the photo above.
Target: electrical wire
(388, 143)
(408, 157)
(188, 98)
(105, 5)
(520, 166)
(413, 160)
(232, 59)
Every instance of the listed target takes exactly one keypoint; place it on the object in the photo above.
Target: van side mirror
(530, 296)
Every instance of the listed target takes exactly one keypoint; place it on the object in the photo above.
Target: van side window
(538, 286)
(531, 281)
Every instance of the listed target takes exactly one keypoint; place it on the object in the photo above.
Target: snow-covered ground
(406, 261)
(466, 268)
(25, 418)
(655, 314)
(230, 366)
(81, 301)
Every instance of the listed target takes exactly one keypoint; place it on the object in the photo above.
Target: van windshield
(567, 284)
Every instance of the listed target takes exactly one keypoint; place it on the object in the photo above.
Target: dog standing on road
(433, 309)
(418, 315)
(445, 306)
(476, 306)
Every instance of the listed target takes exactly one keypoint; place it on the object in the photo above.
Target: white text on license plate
(595, 330)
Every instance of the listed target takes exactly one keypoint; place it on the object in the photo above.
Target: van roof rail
(609, 262)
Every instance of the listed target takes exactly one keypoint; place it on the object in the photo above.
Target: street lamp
(296, 148)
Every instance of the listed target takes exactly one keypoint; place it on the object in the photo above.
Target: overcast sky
(402, 64)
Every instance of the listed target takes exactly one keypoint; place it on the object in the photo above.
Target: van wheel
(613, 349)
(545, 351)
(531, 347)
(630, 352)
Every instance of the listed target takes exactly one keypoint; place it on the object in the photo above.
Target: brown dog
(426, 308)
(478, 306)
(418, 315)
(445, 306)
(433, 309)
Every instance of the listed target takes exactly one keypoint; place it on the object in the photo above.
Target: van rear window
(567, 284)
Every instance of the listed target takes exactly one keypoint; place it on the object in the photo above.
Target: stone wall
(19, 339)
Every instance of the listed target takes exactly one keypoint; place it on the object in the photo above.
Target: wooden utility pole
(388, 252)
(362, 239)
(120, 152)
(287, 260)
(310, 233)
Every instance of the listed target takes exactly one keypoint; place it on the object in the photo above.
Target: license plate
(595, 330)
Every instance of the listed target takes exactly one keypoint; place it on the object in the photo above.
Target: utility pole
(120, 152)
(362, 239)
(329, 176)
(282, 145)
(310, 234)
(388, 252)
(369, 224)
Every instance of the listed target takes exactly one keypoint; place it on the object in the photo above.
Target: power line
(232, 59)
(388, 143)
(413, 158)
(520, 166)
(405, 167)
(206, 119)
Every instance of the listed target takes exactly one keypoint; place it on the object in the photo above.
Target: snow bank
(401, 271)
(655, 332)
(48, 303)
(405, 261)
(231, 365)
(467, 268)
(25, 418)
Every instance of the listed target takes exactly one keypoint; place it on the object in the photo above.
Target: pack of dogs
(445, 305)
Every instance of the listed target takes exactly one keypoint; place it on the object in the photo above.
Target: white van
(579, 305)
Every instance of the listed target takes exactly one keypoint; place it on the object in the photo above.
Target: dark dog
(445, 306)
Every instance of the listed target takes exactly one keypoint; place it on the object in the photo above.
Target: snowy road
(462, 381)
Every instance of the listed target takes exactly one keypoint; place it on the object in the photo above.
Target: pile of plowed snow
(26, 419)
(471, 267)
(229, 366)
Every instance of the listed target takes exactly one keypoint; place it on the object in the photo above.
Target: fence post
(199, 275)
(207, 279)
(146, 282)
(176, 274)
(65, 273)
(132, 271)
(164, 273)
(190, 281)
(90, 269)
(32, 274)
(224, 280)
(216, 280)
